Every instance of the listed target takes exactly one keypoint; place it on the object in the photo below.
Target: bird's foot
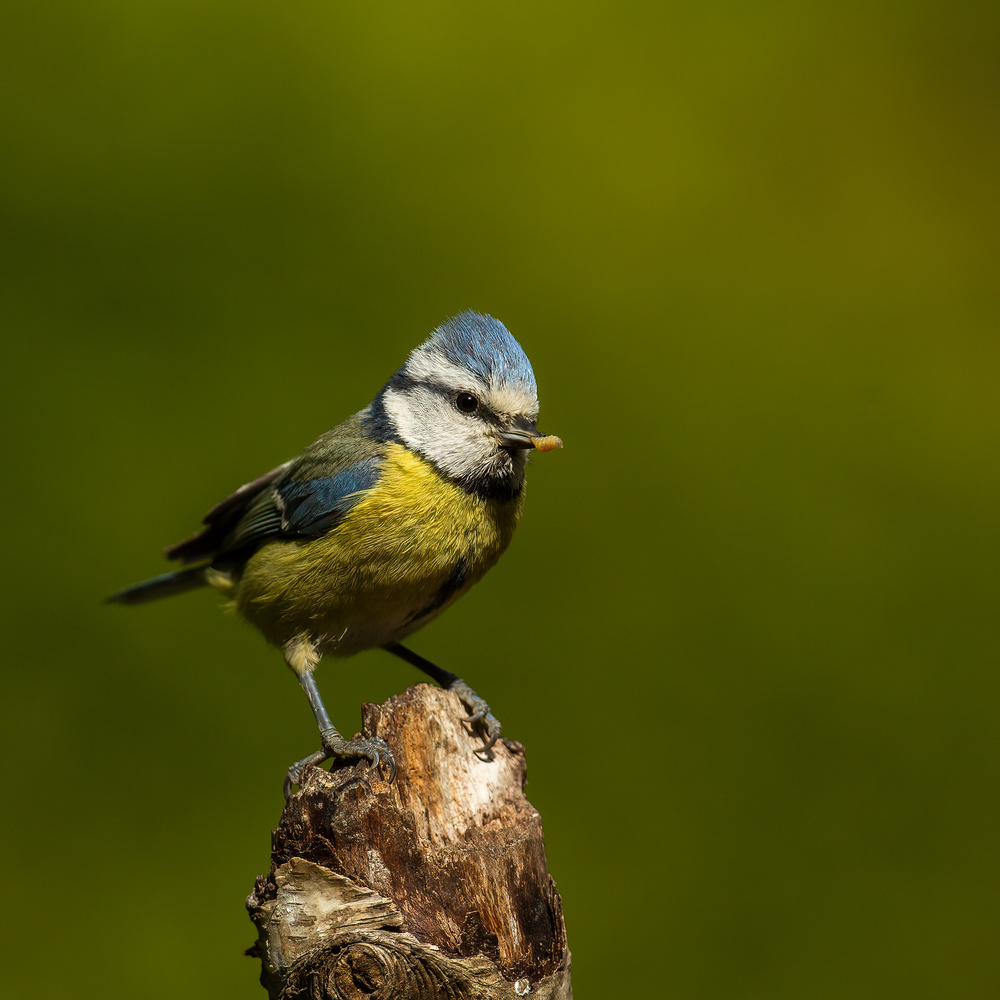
(294, 775)
(374, 749)
(480, 720)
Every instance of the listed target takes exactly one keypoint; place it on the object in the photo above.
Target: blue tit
(381, 523)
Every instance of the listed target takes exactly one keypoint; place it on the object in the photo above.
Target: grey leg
(302, 658)
(480, 716)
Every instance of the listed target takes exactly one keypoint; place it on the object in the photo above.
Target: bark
(434, 886)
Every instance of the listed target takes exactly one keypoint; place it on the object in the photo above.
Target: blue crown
(485, 347)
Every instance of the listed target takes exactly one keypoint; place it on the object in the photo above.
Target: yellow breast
(396, 554)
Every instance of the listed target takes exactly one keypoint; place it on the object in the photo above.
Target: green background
(748, 628)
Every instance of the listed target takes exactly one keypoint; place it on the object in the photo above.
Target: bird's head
(466, 401)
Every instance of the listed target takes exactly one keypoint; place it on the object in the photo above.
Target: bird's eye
(466, 402)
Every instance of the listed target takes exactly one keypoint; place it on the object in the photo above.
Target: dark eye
(466, 402)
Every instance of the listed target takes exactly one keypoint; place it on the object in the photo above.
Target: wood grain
(435, 886)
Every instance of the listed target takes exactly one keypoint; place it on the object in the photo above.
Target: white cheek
(409, 413)
(428, 423)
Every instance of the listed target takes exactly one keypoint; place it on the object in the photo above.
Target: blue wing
(304, 498)
(316, 506)
(294, 508)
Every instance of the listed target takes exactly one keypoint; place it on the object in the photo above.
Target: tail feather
(161, 586)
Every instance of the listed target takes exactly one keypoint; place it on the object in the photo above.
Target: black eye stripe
(402, 382)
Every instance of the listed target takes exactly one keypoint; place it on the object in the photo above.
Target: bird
(381, 524)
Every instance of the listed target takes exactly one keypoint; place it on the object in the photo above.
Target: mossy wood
(434, 886)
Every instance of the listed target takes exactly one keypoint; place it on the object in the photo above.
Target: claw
(485, 753)
(480, 714)
(392, 770)
(492, 735)
(380, 754)
(294, 774)
(374, 749)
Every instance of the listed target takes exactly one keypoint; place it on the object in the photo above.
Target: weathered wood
(434, 886)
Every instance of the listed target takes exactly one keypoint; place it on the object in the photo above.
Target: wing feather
(221, 519)
(304, 498)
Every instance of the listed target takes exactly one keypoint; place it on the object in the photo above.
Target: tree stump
(434, 886)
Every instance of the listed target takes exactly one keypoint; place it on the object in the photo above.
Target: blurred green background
(748, 628)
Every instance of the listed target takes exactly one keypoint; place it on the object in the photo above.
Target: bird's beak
(525, 434)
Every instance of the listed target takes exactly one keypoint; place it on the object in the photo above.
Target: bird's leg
(480, 716)
(302, 656)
